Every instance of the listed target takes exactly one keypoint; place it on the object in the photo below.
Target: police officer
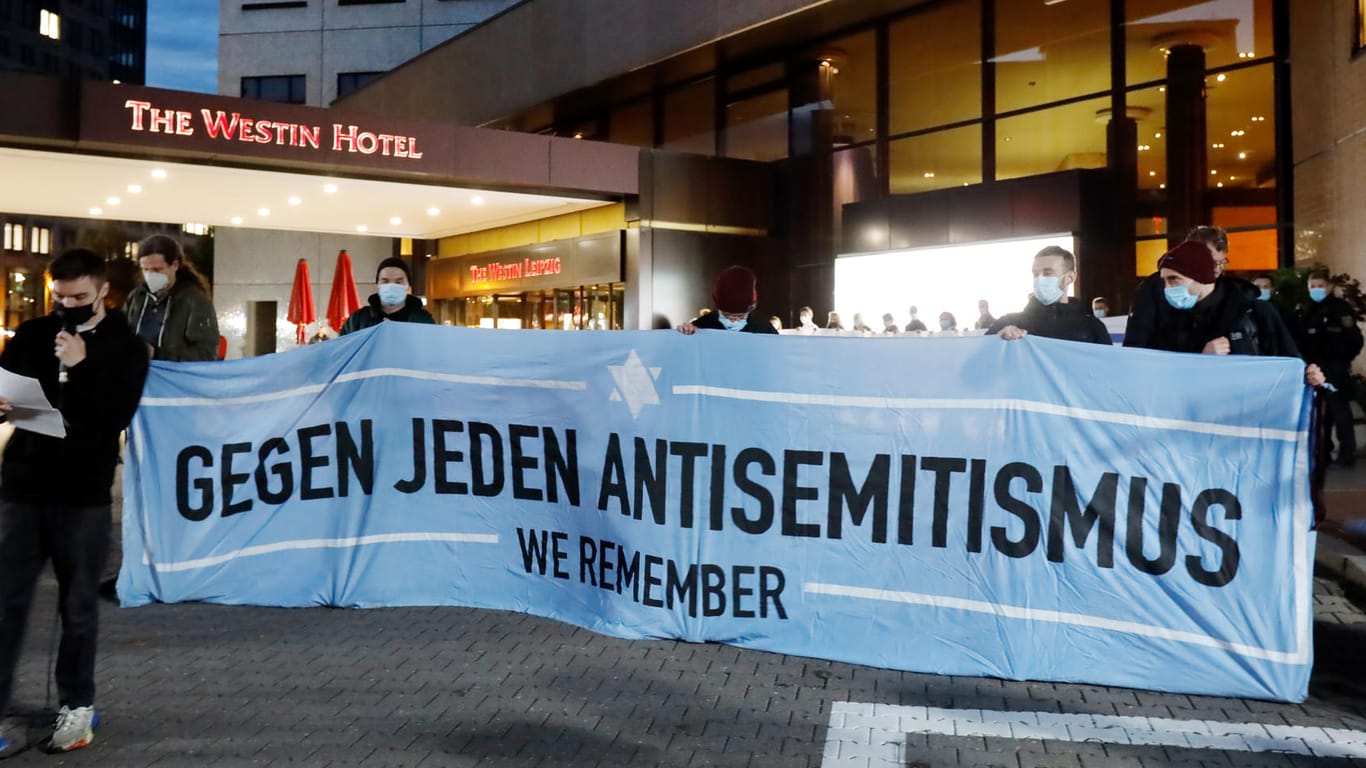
(1329, 337)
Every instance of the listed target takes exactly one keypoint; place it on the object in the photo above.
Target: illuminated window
(40, 240)
(1361, 25)
(130, 249)
(195, 229)
(50, 25)
(14, 237)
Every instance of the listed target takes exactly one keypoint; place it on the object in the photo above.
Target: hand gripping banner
(1032, 509)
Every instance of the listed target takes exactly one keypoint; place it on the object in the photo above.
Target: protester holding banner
(1050, 311)
(1217, 318)
(735, 294)
(392, 300)
(171, 311)
(55, 491)
(1150, 309)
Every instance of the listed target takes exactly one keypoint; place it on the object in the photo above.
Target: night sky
(182, 45)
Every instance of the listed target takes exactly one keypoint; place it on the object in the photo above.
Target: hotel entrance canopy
(100, 150)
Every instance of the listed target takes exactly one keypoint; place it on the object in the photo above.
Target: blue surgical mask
(1318, 294)
(945, 325)
(1179, 296)
(392, 294)
(1264, 295)
(1047, 289)
(732, 325)
(1099, 313)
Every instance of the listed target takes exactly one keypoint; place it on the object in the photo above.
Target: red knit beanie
(735, 290)
(1190, 259)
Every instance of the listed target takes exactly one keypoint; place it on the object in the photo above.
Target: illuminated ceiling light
(1217, 146)
(96, 211)
(477, 200)
(1236, 133)
(1007, 139)
(112, 201)
(236, 219)
(134, 189)
(330, 189)
(1161, 186)
(1242, 155)
(1152, 173)
(262, 211)
(295, 200)
(433, 211)
(1053, 2)
(1161, 89)
(395, 220)
(1220, 185)
(1157, 135)
(362, 228)
(578, 135)
(1213, 172)
(158, 173)
(1221, 77)
(929, 174)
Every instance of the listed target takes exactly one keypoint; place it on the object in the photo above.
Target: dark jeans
(1340, 411)
(77, 541)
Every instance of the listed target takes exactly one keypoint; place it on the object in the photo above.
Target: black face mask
(72, 317)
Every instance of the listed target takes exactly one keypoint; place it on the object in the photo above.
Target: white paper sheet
(32, 411)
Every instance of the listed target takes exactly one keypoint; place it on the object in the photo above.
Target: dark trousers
(77, 541)
(1340, 411)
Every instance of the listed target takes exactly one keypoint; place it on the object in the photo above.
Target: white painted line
(989, 404)
(1057, 617)
(373, 373)
(347, 543)
(862, 734)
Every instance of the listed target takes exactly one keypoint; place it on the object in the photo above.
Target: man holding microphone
(55, 492)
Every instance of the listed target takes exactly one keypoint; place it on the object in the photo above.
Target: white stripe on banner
(875, 734)
(374, 373)
(1056, 617)
(355, 541)
(987, 404)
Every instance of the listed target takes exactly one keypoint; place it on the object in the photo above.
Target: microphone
(69, 325)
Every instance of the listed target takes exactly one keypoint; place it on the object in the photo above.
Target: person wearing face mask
(1050, 312)
(1100, 307)
(984, 318)
(915, 324)
(55, 501)
(170, 310)
(390, 301)
(1329, 337)
(948, 324)
(735, 293)
(1149, 310)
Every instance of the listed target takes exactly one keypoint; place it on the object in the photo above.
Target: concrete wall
(545, 48)
(323, 39)
(258, 265)
(1328, 108)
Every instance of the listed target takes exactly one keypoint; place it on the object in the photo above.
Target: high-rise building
(315, 51)
(80, 39)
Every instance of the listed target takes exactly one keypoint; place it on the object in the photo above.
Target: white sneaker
(75, 728)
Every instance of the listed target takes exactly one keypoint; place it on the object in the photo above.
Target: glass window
(1047, 53)
(1361, 25)
(1228, 31)
(1240, 116)
(837, 96)
(766, 75)
(1148, 107)
(23, 297)
(756, 128)
(14, 237)
(935, 73)
(633, 124)
(1058, 139)
(352, 81)
(40, 240)
(282, 88)
(937, 160)
(690, 120)
(854, 173)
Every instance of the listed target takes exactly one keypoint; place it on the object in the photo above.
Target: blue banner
(1032, 509)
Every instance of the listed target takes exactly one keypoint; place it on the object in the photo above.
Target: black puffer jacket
(373, 314)
(1069, 321)
(1252, 327)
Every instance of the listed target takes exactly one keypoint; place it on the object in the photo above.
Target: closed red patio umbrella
(344, 299)
(301, 310)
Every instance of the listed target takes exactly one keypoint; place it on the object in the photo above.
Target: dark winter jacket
(1070, 321)
(1252, 327)
(191, 328)
(97, 402)
(1150, 308)
(1328, 336)
(373, 314)
(755, 323)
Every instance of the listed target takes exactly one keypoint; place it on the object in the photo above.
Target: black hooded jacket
(1232, 311)
(97, 402)
(1069, 321)
(755, 323)
(373, 314)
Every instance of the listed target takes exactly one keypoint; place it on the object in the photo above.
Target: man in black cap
(735, 294)
(392, 300)
(1051, 312)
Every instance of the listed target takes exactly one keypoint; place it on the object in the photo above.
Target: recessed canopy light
(112, 201)
(433, 211)
(295, 200)
(1221, 77)
(96, 211)
(1157, 135)
(1242, 155)
(134, 189)
(158, 173)
(1161, 186)
(929, 174)
(1213, 172)
(477, 200)
(1152, 173)
(362, 228)
(330, 188)
(262, 211)
(1220, 185)
(236, 219)
(395, 220)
